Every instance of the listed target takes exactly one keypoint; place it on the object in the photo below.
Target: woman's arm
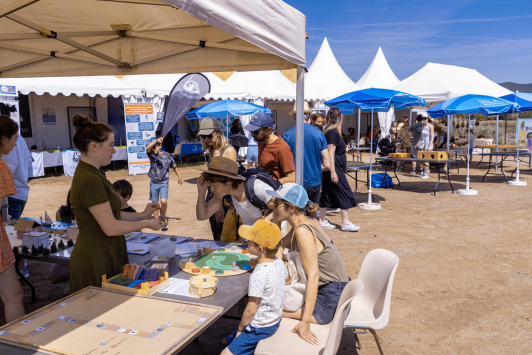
(332, 150)
(289, 177)
(205, 210)
(230, 153)
(309, 257)
(112, 226)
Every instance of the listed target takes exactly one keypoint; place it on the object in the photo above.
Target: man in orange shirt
(274, 153)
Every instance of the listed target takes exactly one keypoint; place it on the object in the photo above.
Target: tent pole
(358, 130)
(300, 136)
(370, 157)
(497, 143)
(516, 182)
(410, 119)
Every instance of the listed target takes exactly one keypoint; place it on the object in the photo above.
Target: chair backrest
(351, 290)
(362, 141)
(177, 149)
(377, 273)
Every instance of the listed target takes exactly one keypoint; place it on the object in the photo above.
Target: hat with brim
(224, 167)
(306, 109)
(263, 233)
(259, 120)
(291, 193)
(208, 125)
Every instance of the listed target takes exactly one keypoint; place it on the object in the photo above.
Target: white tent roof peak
(326, 79)
(439, 82)
(379, 74)
(267, 84)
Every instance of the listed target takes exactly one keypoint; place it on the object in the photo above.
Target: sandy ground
(463, 285)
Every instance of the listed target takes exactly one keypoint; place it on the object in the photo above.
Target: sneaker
(333, 210)
(413, 172)
(350, 227)
(24, 273)
(165, 226)
(424, 176)
(326, 225)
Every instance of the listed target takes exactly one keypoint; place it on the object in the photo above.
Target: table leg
(502, 169)
(489, 168)
(437, 182)
(25, 280)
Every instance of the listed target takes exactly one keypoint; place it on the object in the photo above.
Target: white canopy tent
(108, 85)
(125, 37)
(439, 82)
(326, 79)
(379, 74)
(268, 84)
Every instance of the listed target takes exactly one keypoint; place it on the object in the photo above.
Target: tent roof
(326, 79)
(80, 85)
(440, 82)
(161, 85)
(121, 37)
(379, 74)
(268, 84)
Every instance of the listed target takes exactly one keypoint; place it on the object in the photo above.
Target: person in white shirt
(263, 312)
(19, 162)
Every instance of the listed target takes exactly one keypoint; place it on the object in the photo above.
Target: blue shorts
(253, 153)
(158, 190)
(15, 207)
(327, 301)
(247, 341)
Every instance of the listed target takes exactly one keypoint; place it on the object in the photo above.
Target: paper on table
(177, 287)
(137, 248)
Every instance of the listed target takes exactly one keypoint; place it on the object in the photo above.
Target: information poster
(12, 108)
(36, 167)
(48, 117)
(71, 158)
(524, 132)
(140, 130)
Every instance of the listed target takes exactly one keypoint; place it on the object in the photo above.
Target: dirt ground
(463, 285)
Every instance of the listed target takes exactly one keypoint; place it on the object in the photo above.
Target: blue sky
(491, 36)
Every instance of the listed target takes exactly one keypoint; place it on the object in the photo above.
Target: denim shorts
(327, 301)
(247, 341)
(158, 190)
(253, 153)
(16, 207)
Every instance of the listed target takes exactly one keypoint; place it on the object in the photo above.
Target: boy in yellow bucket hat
(262, 315)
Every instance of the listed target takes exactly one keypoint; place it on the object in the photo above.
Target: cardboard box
(162, 268)
(23, 225)
(160, 260)
(35, 239)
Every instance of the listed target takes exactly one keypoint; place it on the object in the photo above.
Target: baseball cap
(291, 193)
(258, 121)
(405, 116)
(208, 125)
(263, 233)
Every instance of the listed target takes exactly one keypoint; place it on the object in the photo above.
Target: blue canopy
(472, 104)
(376, 100)
(226, 108)
(523, 99)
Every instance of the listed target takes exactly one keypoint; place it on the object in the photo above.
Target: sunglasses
(205, 137)
(258, 131)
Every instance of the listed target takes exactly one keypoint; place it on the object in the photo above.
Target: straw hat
(224, 167)
(305, 109)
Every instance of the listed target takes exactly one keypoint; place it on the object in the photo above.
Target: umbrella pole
(516, 182)
(497, 144)
(370, 205)
(467, 190)
(448, 133)
(358, 129)
(227, 126)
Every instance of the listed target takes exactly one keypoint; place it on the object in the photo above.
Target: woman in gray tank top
(326, 274)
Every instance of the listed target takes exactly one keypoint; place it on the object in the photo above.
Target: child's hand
(180, 181)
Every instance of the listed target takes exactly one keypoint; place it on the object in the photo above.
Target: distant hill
(517, 87)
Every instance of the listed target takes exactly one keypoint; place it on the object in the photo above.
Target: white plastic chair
(371, 309)
(177, 152)
(283, 342)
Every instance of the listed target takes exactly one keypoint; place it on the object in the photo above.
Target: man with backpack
(247, 194)
(274, 153)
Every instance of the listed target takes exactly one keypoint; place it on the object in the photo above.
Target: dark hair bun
(80, 121)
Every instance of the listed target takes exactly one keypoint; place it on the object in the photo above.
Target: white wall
(59, 134)
(284, 120)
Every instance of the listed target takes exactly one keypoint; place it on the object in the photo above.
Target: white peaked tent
(268, 84)
(326, 79)
(107, 85)
(161, 84)
(379, 74)
(440, 82)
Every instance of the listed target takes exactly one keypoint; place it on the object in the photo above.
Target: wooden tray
(143, 290)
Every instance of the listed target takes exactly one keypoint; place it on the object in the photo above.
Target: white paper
(141, 249)
(177, 287)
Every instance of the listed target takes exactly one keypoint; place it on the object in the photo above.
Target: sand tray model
(97, 321)
(221, 262)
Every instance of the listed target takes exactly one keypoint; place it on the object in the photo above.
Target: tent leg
(516, 182)
(300, 97)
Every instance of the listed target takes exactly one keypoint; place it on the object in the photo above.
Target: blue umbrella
(226, 108)
(374, 100)
(467, 105)
(524, 101)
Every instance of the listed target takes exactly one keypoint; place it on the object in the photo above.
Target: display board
(97, 321)
(524, 132)
(140, 130)
(219, 263)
